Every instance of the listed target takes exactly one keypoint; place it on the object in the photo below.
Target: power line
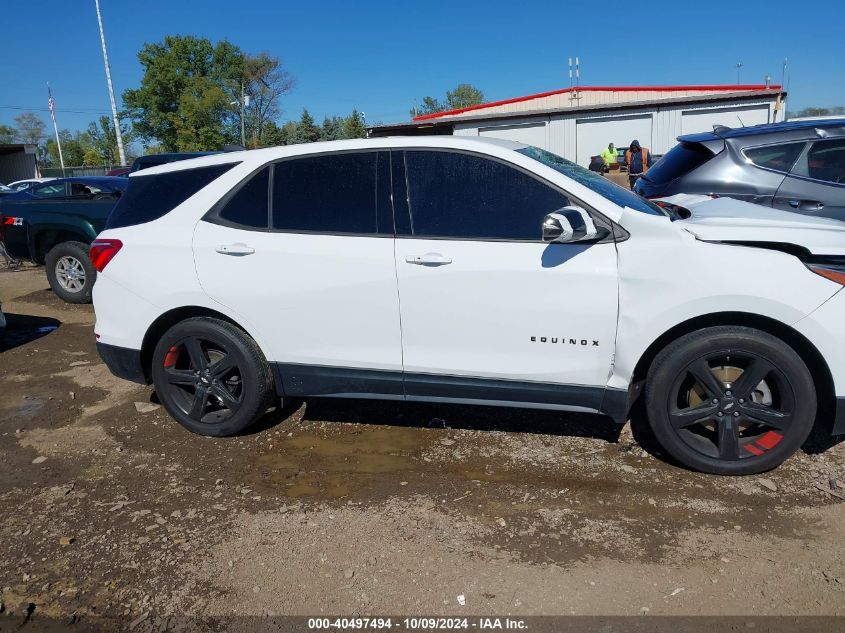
(69, 111)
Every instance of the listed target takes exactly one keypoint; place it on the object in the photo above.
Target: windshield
(590, 179)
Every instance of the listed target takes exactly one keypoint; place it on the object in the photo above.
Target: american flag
(50, 103)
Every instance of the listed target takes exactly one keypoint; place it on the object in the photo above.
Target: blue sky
(379, 56)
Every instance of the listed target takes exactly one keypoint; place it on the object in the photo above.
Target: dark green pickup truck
(53, 223)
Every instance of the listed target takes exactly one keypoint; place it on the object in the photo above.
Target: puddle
(334, 467)
(27, 409)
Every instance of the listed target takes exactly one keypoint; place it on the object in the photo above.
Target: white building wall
(561, 133)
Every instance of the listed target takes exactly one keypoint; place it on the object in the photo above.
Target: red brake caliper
(768, 441)
(171, 357)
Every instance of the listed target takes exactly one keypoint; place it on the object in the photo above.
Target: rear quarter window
(150, 197)
(776, 157)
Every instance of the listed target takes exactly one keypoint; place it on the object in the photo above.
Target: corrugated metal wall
(17, 165)
(667, 123)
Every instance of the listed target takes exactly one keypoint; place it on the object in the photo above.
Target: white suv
(467, 270)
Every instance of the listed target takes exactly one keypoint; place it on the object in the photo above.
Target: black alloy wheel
(211, 376)
(730, 400)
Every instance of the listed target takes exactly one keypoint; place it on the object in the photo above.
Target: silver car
(795, 166)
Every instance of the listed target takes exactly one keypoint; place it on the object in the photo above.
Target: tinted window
(826, 161)
(465, 196)
(595, 182)
(679, 160)
(52, 190)
(334, 193)
(249, 205)
(777, 157)
(150, 197)
(84, 189)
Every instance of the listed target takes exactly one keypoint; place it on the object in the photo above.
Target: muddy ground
(110, 509)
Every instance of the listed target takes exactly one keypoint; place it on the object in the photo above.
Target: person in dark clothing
(638, 159)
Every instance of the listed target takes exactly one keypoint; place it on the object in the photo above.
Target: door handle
(794, 203)
(238, 249)
(807, 205)
(429, 259)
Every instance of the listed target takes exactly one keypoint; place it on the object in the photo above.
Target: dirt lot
(350, 507)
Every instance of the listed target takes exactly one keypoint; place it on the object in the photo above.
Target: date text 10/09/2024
(416, 624)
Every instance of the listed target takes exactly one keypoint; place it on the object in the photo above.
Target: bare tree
(265, 81)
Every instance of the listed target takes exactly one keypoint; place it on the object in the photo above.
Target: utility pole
(739, 66)
(118, 135)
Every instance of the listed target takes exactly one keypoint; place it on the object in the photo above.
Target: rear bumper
(123, 362)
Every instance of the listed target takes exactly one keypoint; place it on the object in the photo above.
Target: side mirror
(571, 224)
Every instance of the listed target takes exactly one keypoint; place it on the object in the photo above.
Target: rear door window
(680, 160)
(826, 161)
(333, 193)
(150, 197)
(50, 190)
(464, 196)
(776, 157)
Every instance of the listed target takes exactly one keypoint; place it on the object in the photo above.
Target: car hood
(729, 220)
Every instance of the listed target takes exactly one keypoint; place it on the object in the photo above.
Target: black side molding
(123, 362)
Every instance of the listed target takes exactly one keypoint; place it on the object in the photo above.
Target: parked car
(20, 185)
(471, 270)
(54, 222)
(795, 166)
(154, 160)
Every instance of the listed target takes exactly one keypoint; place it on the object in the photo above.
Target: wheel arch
(167, 320)
(46, 238)
(819, 370)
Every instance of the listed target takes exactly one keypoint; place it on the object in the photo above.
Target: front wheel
(211, 377)
(70, 272)
(730, 400)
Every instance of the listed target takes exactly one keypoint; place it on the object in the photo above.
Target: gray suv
(795, 166)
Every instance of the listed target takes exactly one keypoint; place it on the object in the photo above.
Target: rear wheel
(730, 400)
(70, 272)
(211, 377)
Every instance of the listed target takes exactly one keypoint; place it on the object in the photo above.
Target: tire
(208, 401)
(711, 419)
(70, 272)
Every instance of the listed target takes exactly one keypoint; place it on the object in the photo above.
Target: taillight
(103, 251)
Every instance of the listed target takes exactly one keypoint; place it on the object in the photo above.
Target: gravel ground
(111, 510)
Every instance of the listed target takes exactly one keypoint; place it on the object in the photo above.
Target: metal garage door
(593, 135)
(528, 133)
(695, 121)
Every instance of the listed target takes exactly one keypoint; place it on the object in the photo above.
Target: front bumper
(123, 362)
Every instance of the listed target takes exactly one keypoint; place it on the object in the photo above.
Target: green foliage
(332, 129)
(353, 126)
(104, 140)
(92, 157)
(306, 130)
(74, 147)
(30, 128)
(184, 101)
(265, 82)
(7, 134)
(815, 111)
(463, 96)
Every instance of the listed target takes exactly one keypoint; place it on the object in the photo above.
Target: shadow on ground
(21, 329)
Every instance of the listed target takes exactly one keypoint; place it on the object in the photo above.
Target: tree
(7, 134)
(463, 96)
(332, 129)
(30, 128)
(306, 130)
(353, 126)
(184, 101)
(104, 140)
(74, 147)
(265, 81)
(430, 105)
(93, 157)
